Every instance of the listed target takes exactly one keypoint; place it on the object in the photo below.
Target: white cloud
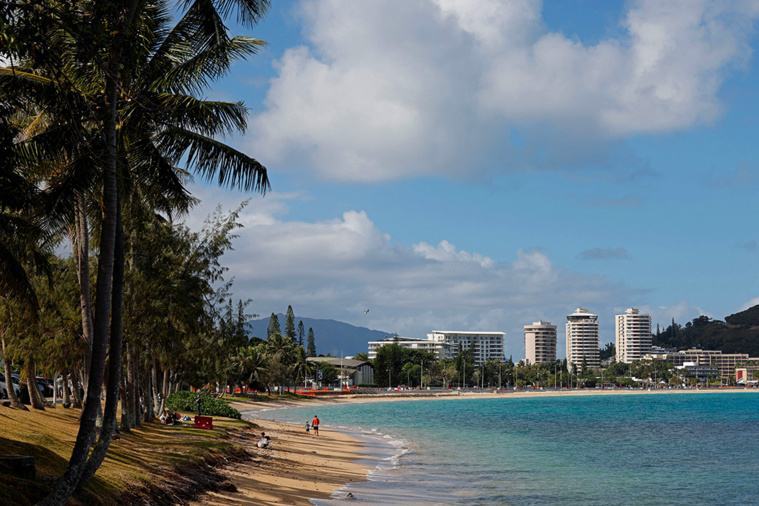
(753, 302)
(682, 312)
(390, 90)
(339, 267)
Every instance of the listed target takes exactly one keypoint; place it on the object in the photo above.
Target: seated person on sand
(163, 417)
(264, 441)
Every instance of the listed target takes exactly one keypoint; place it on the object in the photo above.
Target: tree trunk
(114, 364)
(15, 401)
(125, 427)
(132, 386)
(86, 435)
(66, 394)
(82, 253)
(148, 402)
(127, 407)
(165, 390)
(75, 389)
(154, 406)
(31, 383)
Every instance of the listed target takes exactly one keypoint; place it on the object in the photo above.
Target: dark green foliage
(390, 361)
(273, 326)
(211, 406)
(290, 323)
(329, 373)
(311, 346)
(708, 334)
(607, 352)
(749, 317)
(301, 333)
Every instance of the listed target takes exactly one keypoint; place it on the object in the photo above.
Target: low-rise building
(486, 345)
(700, 372)
(352, 372)
(726, 363)
(440, 349)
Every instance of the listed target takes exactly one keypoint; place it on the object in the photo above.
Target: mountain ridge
(332, 337)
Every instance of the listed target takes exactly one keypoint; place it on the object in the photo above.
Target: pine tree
(301, 333)
(311, 350)
(273, 326)
(290, 323)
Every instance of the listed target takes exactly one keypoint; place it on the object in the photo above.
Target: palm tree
(251, 364)
(279, 349)
(301, 367)
(195, 51)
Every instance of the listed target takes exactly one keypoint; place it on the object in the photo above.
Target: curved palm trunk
(82, 252)
(31, 384)
(15, 401)
(87, 422)
(75, 380)
(66, 390)
(114, 364)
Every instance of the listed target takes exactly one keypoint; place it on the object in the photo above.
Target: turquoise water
(675, 448)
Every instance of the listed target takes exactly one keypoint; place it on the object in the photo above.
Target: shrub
(211, 406)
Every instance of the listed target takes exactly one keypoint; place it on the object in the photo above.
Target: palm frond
(192, 69)
(214, 160)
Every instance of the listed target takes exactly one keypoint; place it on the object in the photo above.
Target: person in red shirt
(315, 425)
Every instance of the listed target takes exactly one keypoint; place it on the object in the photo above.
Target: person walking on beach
(308, 427)
(315, 425)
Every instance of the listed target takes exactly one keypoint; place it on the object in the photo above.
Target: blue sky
(480, 165)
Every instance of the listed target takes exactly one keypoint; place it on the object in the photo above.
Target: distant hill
(739, 333)
(747, 318)
(331, 336)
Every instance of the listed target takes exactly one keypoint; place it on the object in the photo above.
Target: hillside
(747, 318)
(331, 336)
(739, 333)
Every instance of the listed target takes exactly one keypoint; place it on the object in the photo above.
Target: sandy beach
(294, 468)
(297, 466)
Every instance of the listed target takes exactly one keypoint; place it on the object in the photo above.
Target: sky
(481, 165)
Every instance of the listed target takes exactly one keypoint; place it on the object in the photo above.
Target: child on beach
(308, 427)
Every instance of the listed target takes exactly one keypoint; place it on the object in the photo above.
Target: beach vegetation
(107, 96)
(185, 401)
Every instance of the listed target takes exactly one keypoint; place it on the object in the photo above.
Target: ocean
(671, 448)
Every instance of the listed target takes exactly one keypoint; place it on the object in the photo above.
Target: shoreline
(294, 469)
(298, 467)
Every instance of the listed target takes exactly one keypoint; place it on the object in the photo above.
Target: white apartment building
(582, 339)
(633, 332)
(440, 349)
(487, 345)
(540, 342)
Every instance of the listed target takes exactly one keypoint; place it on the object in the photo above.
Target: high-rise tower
(540, 342)
(633, 332)
(582, 339)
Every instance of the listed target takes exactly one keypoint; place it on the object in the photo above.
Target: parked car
(3, 388)
(46, 386)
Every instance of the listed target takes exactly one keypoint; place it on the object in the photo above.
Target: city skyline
(504, 165)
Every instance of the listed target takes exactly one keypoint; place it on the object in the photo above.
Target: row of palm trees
(278, 361)
(103, 124)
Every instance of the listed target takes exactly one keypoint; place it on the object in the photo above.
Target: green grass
(142, 456)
